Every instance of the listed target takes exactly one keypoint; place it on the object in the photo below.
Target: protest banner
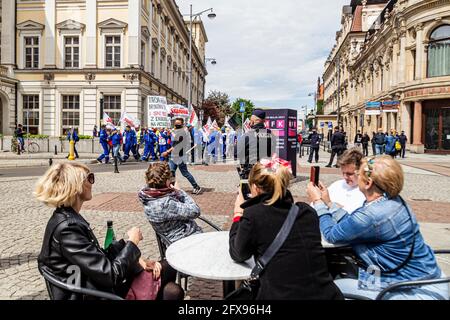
(158, 117)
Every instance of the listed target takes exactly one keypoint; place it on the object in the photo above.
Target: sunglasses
(91, 178)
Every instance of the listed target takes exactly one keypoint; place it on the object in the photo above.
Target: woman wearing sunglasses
(70, 243)
(383, 233)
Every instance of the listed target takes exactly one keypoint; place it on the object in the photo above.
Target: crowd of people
(364, 211)
(392, 143)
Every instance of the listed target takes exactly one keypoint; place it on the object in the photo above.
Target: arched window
(439, 52)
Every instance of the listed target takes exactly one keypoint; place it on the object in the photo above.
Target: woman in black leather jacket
(70, 246)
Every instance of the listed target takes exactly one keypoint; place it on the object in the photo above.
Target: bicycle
(32, 147)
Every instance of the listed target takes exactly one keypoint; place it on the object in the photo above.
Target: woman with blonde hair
(298, 270)
(383, 233)
(69, 241)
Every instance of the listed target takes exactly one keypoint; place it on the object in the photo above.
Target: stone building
(390, 69)
(68, 55)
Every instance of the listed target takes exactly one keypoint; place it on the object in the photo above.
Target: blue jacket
(130, 138)
(315, 140)
(73, 137)
(390, 144)
(115, 138)
(381, 234)
(103, 136)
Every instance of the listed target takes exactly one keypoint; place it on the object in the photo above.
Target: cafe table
(206, 256)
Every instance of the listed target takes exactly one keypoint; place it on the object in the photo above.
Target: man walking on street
(178, 161)
(403, 140)
(337, 145)
(315, 145)
(104, 142)
(365, 144)
(358, 140)
(380, 141)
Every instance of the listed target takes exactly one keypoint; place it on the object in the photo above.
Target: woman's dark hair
(157, 175)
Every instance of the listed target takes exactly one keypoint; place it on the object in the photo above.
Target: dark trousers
(314, 150)
(374, 149)
(365, 149)
(403, 151)
(334, 152)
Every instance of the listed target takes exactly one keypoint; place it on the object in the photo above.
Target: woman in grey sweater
(170, 211)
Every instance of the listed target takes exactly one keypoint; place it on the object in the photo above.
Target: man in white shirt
(345, 192)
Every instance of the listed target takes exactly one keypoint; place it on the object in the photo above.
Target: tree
(217, 106)
(249, 107)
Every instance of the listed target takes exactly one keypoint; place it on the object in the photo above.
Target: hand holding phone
(315, 175)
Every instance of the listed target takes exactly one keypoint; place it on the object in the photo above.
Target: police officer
(104, 142)
(256, 144)
(337, 145)
(315, 139)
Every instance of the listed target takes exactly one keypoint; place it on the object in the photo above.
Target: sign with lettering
(373, 108)
(158, 117)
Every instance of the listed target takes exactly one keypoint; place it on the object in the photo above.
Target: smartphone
(314, 176)
(245, 188)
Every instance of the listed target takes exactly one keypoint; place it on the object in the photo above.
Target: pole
(190, 63)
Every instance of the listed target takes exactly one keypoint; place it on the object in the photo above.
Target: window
(113, 107)
(153, 62)
(31, 52)
(70, 112)
(31, 113)
(113, 51)
(72, 52)
(143, 54)
(439, 52)
(161, 62)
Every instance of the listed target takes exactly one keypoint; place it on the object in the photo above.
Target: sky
(271, 52)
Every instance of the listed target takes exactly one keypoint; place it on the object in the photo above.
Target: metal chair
(401, 285)
(51, 279)
(164, 243)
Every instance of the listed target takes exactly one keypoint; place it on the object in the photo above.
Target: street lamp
(212, 60)
(313, 94)
(192, 18)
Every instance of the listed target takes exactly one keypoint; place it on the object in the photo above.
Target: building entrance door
(437, 129)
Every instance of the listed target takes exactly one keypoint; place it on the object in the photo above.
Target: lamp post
(192, 17)
(212, 60)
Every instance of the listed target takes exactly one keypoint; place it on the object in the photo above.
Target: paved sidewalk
(9, 159)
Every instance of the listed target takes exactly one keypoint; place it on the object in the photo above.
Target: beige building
(68, 55)
(390, 69)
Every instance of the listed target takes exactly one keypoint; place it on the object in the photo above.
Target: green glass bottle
(110, 236)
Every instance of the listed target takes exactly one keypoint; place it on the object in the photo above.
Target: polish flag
(193, 119)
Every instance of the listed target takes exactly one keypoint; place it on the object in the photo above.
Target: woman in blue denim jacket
(383, 233)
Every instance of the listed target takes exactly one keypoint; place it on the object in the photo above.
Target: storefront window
(439, 52)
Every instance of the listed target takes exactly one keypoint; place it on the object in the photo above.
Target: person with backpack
(390, 144)
(358, 139)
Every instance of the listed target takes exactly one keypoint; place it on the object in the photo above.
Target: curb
(43, 163)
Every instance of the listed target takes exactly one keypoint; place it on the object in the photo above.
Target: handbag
(249, 289)
(144, 287)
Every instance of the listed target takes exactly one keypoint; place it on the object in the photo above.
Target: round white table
(207, 256)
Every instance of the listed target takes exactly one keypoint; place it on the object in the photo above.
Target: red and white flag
(208, 126)
(247, 126)
(215, 125)
(193, 119)
(129, 120)
(108, 121)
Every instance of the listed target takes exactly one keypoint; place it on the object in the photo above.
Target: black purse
(249, 288)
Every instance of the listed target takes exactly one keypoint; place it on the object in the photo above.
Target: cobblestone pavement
(22, 219)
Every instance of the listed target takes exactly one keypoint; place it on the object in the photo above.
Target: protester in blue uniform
(212, 152)
(150, 140)
(104, 142)
(116, 139)
(224, 145)
(163, 144)
(130, 144)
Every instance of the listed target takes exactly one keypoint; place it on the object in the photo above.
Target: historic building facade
(396, 75)
(67, 56)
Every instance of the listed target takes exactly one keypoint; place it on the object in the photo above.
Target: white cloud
(271, 52)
